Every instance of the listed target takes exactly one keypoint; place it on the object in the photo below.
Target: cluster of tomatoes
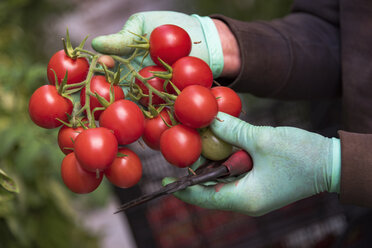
(172, 104)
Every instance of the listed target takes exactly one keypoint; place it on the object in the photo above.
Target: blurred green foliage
(41, 214)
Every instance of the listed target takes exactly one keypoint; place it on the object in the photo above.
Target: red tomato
(228, 101)
(125, 118)
(76, 178)
(157, 83)
(99, 85)
(96, 148)
(196, 106)
(191, 71)
(46, 105)
(66, 138)
(154, 128)
(169, 42)
(125, 171)
(180, 145)
(77, 68)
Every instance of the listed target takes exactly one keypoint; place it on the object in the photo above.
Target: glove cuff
(336, 166)
(213, 44)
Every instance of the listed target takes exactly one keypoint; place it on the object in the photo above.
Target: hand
(289, 164)
(202, 30)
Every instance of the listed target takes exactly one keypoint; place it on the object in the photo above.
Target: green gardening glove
(203, 33)
(289, 164)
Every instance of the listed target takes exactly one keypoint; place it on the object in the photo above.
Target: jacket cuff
(356, 168)
(257, 41)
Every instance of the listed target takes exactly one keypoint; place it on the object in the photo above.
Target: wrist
(336, 166)
(230, 48)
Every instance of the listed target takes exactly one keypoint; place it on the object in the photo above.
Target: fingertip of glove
(110, 44)
(221, 120)
(98, 43)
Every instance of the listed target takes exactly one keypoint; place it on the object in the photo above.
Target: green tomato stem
(85, 51)
(77, 85)
(166, 97)
(103, 71)
(80, 111)
(90, 117)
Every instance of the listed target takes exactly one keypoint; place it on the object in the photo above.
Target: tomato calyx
(103, 101)
(173, 121)
(62, 86)
(167, 97)
(75, 121)
(71, 52)
(161, 74)
(142, 43)
(64, 89)
(135, 92)
(121, 155)
(112, 77)
(61, 90)
(153, 112)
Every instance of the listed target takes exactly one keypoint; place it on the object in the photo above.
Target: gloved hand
(289, 164)
(202, 31)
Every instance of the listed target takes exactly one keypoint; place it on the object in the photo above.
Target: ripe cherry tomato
(76, 178)
(99, 85)
(157, 83)
(125, 118)
(169, 42)
(180, 145)
(196, 106)
(46, 105)
(66, 138)
(96, 148)
(154, 127)
(125, 171)
(191, 71)
(77, 68)
(228, 101)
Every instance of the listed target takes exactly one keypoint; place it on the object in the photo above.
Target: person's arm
(296, 57)
(231, 51)
(356, 173)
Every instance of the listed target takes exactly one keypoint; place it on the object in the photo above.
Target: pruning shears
(237, 164)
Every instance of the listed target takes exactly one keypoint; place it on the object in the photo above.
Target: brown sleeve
(356, 169)
(296, 57)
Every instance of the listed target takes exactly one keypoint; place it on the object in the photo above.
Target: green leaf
(7, 183)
